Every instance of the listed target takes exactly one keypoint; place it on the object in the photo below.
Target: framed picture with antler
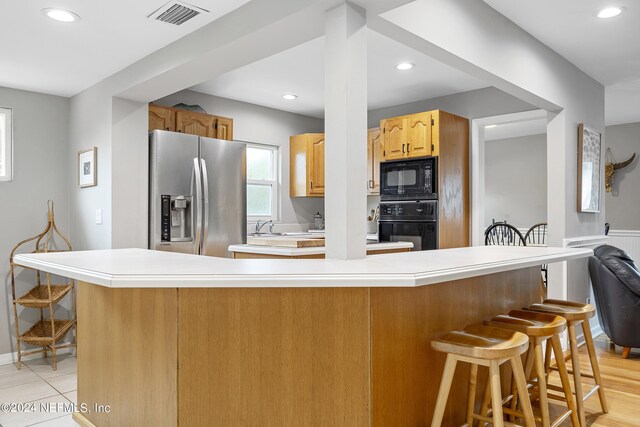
(589, 160)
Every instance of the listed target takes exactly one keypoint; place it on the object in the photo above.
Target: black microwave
(415, 179)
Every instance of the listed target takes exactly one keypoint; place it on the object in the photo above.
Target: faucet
(260, 224)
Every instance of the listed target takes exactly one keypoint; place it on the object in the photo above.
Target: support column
(345, 132)
(557, 200)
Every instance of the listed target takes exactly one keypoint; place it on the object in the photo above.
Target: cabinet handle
(402, 148)
(311, 185)
(408, 145)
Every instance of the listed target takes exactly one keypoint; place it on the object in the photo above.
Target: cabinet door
(419, 135)
(315, 164)
(224, 128)
(374, 156)
(162, 118)
(298, 173)
(195, 123)
(394, 136)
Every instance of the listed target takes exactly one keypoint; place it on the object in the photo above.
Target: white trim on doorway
(478, 161)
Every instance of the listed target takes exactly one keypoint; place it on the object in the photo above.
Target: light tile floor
(48, 392)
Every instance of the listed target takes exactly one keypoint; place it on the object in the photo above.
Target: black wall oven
(414, 179)
(410, 221)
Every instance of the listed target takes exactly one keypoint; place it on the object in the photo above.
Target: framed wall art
(87, 173)
(589, 160)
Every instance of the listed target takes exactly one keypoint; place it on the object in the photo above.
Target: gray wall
(516, 180)
(41, 170)
(473, 104)
(623, 203)
(255, 123)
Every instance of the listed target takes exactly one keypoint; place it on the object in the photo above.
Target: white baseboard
(11, 358)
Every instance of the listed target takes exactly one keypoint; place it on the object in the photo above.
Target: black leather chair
(616, 286)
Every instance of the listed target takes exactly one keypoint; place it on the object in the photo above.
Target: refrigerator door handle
(205, 204)
(197, 178)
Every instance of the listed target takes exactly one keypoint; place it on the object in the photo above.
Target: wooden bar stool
(576, 313)
(538, 327)
(488, 346)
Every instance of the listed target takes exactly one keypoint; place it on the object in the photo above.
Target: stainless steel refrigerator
(197, 193)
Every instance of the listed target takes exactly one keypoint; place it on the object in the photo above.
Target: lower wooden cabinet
(190, 122)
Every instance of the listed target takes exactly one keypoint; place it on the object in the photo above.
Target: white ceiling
(606, 49)
(45, 56)
(300, 70)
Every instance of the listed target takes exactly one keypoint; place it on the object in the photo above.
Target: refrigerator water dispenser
(176, 224)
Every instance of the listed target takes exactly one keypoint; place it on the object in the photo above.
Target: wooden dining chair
(537, 235)
(503, 234)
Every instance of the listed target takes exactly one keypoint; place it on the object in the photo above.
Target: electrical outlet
(99, 216)
(588, 300)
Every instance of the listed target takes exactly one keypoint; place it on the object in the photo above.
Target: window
(262, 182)
(6, 144)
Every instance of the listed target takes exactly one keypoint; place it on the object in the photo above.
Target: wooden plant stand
(48, 331)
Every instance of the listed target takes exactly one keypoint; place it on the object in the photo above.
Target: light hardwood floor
(621, 379)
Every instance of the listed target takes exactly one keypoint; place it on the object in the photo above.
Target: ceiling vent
(176, 12)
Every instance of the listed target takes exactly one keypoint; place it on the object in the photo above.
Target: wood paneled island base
(353, 356)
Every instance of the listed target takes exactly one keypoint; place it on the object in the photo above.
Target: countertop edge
(295, 280)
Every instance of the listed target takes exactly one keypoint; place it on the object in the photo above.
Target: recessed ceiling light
(405, 66)
(609, 12)
(490, 126)
(60, 15)
(289, 96)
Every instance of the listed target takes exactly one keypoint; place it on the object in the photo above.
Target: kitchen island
(246, 251)
(170, 339)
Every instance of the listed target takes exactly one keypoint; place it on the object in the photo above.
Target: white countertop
(274, 250)
(142, 268)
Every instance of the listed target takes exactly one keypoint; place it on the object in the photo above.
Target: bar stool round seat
(487, 346)
(572, 311)
(576, 313)
(538, 327)
(482, 342)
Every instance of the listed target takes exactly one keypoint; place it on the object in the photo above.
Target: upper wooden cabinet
(409, 136)
(374, 156)
(162, 118)
(394, 138)
(306, 153)
(195, 123)
(419, 136)
(224, 128)
(191, 122)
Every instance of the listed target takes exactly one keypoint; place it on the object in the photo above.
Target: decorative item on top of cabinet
(374, 157)
(191, 122)
(307, 165)
(48, 331)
